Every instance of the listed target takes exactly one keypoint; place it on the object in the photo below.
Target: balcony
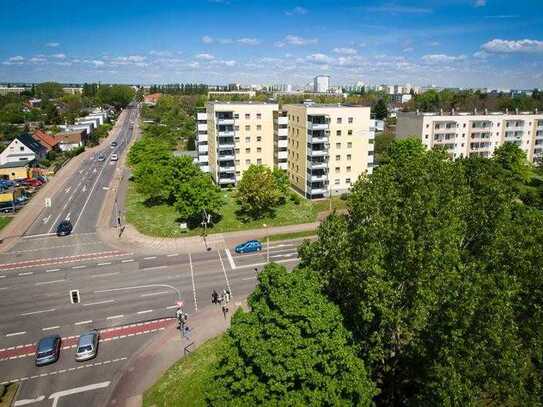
(282, 154)
(202, 138)
(225, 133)
(204, 168)
(203, 149)
(282, 143)
(227, 168)
(203, 158)
(317, 153)
(226, 145)
(281, 120)
(226, 157)
(229, 121)
(318, 177)
(282, 132)
(315, 165)
(201, 116)
(225, 181)
(317, 126)
(317, 190)
(317, 139)
(202, 127)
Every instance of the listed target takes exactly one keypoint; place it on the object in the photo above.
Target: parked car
(48, 350)
(64, 228)
(87, 347)
(114, 157)
(249, 246)
(101, 157)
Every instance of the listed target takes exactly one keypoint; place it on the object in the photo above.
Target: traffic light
(74, 297)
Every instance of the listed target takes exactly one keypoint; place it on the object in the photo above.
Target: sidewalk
(24, 219)
(144, 368)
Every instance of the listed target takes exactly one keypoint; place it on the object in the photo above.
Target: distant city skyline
(449, 43)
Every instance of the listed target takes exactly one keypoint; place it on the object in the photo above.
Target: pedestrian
(227, 295)
(214, 297)
(224, 310)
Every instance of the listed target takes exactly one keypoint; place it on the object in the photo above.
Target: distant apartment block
(329, 147)
(321, 83)
(323, 148)
(467, 134)
(7, 90)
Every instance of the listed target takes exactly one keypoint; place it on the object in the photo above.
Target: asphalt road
(127, 296)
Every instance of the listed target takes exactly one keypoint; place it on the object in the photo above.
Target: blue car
(249, 246)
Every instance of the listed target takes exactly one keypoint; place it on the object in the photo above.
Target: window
(236, 116)
(349, 132)
(22, 148)
(236, 128)
(348, 157)
(350, 120)
(248, 162)
(336, 181)
(348, 169)
(338, 145)
(349, 145)
(427, 125)
(237, 150)
(259, 116)
(338, 158)
(247, 139)
(247, 116)
(338, 120)
(247, 128)
(247, 150)
(259, 149)
(237, 162)
(426, 136)
(258, 138)
(258, 127)
(338, 132)
(348, 181)
(464, 125)
(338, 169)
(236, 139)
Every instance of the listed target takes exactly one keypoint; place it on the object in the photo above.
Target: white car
(114, 157)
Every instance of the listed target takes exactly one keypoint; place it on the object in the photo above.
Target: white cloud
(345, 51)
(248, 41)
(296, 11)
(37, 59)
(480, 54)
(17, 58)
(480, 3)
(498, 46)
(52, 44)
(160, 53)
(319, 58)
(408, 49)
(295, 40)
(205, 57)
(442, 58)
(206, 39)
(59, 56)
(97, 62)
(136, 58)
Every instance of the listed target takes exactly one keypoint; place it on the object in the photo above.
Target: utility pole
(267, 243)
(206, 219)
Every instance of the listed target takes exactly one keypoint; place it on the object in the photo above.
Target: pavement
(127, 290)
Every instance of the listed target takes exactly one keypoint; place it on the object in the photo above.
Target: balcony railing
(317, 164)
(318, 153)
(227, 181)
(225, 121)
(317, 126)
(317, 139)
(225, 157)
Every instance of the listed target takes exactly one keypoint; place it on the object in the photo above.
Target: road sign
(179, 304)
(47, 202)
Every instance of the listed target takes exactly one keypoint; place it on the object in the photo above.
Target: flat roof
(15, 164)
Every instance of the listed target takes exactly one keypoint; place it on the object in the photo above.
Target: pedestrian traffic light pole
(206, 219)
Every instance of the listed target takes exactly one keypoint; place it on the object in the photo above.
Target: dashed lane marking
(147, 311)
(61, 260)
(79, 267)
(104, 264)
(127, 260)
(105, 274)
(16, 333)
(154, 268)
(50, 328)
(89, 321)
(224, 271)
(38, 312)
(249, 278)
(28, 273)
(153, 294)
(98, 303)
(149, 258)
(173, 255)
(51, 270)
(50, 282)
(115, 316)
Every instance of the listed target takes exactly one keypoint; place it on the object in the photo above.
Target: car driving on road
(249, 246)
(87, 347)
(114, 157)
(113, 144)
(48, 350)
(64, 228)
(101, 157)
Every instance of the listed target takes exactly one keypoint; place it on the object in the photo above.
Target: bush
(294, 197)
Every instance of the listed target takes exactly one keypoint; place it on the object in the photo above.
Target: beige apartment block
(329, 147)
(237, 134)
(466, 134)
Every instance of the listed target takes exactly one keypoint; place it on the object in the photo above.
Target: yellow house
(15, 170)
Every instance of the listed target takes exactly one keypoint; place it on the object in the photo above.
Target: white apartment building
(466, 134)
(321, 83)
(323, 148)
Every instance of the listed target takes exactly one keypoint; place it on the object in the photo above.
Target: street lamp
(267, 243)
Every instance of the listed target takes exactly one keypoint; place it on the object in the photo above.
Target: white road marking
(50, 282)
(173, 255)
(284, 255)
(193, 286)
(51, 270)
(262, 264)
(230, 259)
(153, 294)
(28, 273)
(39, 235)
(67, 190)
(154, 268)
(4, 288)
(249, 278)
(46, 219)
(26, 402)
(56, 396)
(98, 303)
(149, 258)
(89, 321)
(38, 312)
(127, 261)
(78, 267)
(224, 271)
(68, 216)
(2, 276)
(105, 274)
(16, 333)
(171, 306)
(107, 263)
(115, 316)
(50, 328)
(144, 312)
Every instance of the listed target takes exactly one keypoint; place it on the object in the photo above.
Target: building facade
(329, 147)
(466, 134)
(321, 84)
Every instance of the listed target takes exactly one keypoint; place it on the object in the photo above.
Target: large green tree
(436, 281)
(258, 192)
(118, 96)
(49, 90)
(291, 349)
(380, 110)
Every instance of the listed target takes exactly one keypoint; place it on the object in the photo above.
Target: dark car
(64, 228)
(113, 144)
(249, 246)
(48, 350)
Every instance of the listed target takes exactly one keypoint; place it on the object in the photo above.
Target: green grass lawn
(183, 384)
(4, 220)
(162, 220)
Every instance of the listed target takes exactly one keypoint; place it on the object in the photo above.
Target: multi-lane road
(129, 297)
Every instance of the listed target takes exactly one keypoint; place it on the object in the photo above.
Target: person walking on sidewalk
(224, 310)
(214, 297)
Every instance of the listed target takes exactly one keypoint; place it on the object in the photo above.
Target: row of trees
(428, 291)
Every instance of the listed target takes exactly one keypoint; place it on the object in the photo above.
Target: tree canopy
(258, 192)
(437, 270)
(291, 349)
(118, 96)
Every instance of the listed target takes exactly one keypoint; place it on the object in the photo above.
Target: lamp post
(267, 243)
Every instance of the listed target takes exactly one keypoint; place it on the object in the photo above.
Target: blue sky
(462, 43)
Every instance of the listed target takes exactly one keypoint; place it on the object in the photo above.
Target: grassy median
(162, 220)
(4, 220)
(183, 384)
